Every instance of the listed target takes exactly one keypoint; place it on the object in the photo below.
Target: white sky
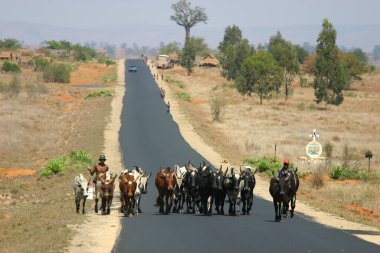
(221, 13)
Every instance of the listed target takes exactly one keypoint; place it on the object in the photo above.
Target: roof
(209, 60)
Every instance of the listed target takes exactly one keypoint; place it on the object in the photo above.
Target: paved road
(150, 138)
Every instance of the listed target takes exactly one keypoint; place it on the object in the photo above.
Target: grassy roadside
(37, 214)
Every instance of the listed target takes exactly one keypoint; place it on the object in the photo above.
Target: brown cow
(165, 183)
(107, 188)
(127, 187)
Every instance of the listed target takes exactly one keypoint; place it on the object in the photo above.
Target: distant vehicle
(132, 68)
(163, 62)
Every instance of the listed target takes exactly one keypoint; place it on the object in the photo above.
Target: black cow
(190, 187)
(291, 196)
(204, 183)
(218, 192)
(278, 189)
(249, 183)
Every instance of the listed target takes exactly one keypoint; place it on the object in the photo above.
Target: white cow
(80, 191)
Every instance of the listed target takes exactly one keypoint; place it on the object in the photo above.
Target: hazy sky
(221, 13)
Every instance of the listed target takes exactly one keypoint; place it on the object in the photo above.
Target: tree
(11, 44)
(376, 52)
(172, 47)
(259, 74)
(232, 36)
(286, 57)
(301, 53)
(353, 66)
(188, 57)
(200, 46)
(330, 75)
(360, 55)
(188, 17)
(233, 51)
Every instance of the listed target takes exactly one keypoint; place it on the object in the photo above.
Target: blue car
(132, 68)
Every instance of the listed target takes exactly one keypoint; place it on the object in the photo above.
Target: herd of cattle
(199, 188)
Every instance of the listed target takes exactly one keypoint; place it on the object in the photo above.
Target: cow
(107, 188)
(292, 194)
(127, 185)
(233, 188)
(165, 182)
(190, 187)
(140, 178)
(204, 182)
(80, 192)
(248, 184)
(218, 191)
(179, 191)
(278, 189)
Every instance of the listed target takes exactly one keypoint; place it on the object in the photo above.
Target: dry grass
(247, 128)
(33, 132)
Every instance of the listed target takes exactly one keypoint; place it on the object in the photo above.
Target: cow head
(283, 184)
(81, 185)
(107, 184)
(169, 178)
(129, 185)
(233, 179)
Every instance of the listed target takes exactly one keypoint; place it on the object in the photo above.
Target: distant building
(208, 61)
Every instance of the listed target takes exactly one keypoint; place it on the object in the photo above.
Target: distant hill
(363, 36)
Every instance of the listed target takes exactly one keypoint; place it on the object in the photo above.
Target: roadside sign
(314, 149)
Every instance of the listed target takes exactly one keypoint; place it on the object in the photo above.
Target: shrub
(80, 158)
(328, 148)
(317, 179)
(55, 166)
(265, 164)
(184, 96)
(11, 89)
(10, 67)
(217, 104)
(58, 72)
(14, 87)
(39, 64)
(99, 94)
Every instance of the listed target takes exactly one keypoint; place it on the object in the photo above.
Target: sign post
(314, 148)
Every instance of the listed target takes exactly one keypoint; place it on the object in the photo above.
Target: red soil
(16, 172)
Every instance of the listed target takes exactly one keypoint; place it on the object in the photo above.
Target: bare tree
(188, 17)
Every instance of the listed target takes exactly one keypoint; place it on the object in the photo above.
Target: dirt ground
(99, 232)
(35, 130)
(89, 74)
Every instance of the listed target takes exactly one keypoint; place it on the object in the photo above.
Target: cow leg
(96, 205)
(84, 204)
(244, 207)
(138, 204)
(167, 204)
(293, 205)
(77, 204)
(109, 204)
(276, 210)
(250, 202)
(161, 203)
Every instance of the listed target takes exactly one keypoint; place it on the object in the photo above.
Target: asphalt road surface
(151, 139)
